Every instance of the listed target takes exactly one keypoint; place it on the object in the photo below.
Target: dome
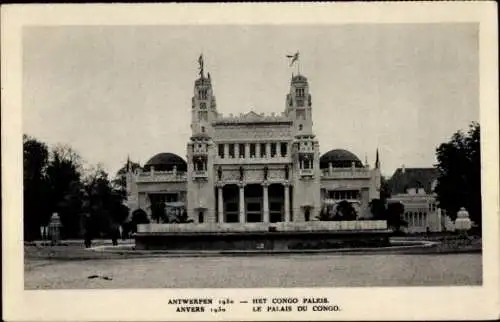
(299, 79)
(166, 162)
(339, 159)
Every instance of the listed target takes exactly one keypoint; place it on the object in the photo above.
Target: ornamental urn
(463, 221)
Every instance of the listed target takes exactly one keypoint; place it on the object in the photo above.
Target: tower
(201, 151)
(376, 179)
(298, 105)
(307, 174)
(204, 107)
(131, 188)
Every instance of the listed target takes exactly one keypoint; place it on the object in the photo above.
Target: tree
(394, 216)
(158, 211)
(103, 203)
(385, 190)
(65, 188)
(378, 209)
(120, 181)
(182, 218)
(345, 211)
(36, 209)
(139, 216)
(459, 167)
(326, 213)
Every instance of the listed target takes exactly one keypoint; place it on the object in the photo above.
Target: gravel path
(320, 270)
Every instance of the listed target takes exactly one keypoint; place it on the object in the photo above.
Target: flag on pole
(293, 58)
(200, 60)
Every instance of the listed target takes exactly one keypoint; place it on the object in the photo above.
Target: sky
(117, 91)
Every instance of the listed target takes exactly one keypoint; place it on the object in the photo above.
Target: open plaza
(257, 205)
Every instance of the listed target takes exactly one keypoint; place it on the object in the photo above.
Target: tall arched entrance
(230, 193)
(276, 193)
(253, 203)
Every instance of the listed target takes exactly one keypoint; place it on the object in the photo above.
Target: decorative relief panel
(254, 175)
(249, 133)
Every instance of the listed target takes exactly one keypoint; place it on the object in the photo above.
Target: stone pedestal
(55, 228)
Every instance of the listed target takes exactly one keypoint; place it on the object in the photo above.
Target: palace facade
(254, 168)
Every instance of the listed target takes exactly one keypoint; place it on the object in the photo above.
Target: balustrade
(167, 176)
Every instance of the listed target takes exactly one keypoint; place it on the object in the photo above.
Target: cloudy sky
(110, 92)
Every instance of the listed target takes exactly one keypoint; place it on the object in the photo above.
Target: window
(262, 150)
(283, 149)
(221, 151)
(306, 164)
(231, 150)
(203, 106)
(300, 127)
(241, 150)
(200, 217)
(203, 93)
(203, 129)
(307, 214)
(203, 115)
(273, 150)
(199, 165)
(300, 92)
(252, 150)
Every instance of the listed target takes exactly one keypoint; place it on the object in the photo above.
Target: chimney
(403, 168)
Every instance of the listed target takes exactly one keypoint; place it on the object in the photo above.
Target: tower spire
(128, 162)
(200, 63)
(377, 161)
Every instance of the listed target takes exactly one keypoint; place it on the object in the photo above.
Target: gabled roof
(407, 178)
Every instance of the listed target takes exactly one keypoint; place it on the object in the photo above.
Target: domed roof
(340, 159)
(299, 79)
(166, 162)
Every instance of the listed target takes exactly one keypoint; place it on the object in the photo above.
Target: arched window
(307, 215)
(200, 217)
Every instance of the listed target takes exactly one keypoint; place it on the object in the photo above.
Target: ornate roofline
(253, 118)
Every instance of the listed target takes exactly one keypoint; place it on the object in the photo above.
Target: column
(287, 202)
(268, 150)
(257, 150)
(242, 203)
(226, 151)
(236, 151)
(220, 205)
(247, 150)
(266, 202)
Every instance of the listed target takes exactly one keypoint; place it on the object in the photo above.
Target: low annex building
(414, 188)
(253, 168)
